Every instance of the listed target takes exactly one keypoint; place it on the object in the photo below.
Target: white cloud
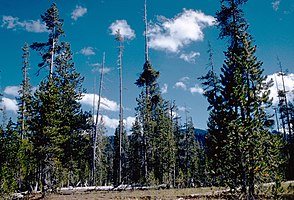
(173, 34)
(106, 70)
(124, 28)
(106, 104)
(164, 89)
(182, 108)
(14, 23)
(112, 123)
(129, 122)
(10, 22)
(87, 51)
(181, 85)
(95, 65)
(196, 89)
(9, 104)
(12, 90)
(109, 122)
(190, 57)
(78, 12)
(289, 83)
(276, 5)
(185, 79)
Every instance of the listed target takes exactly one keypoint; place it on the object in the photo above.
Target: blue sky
(179, 32)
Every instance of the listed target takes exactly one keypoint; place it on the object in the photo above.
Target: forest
(55, 143)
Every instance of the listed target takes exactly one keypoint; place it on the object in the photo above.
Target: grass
(163, 194)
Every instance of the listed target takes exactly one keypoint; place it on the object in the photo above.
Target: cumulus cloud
(12, 90)
(9, 104)
(35, 26)
(109, 122)
(164, 89)
(289, 83)
(78, 12)
(129, 122)
(190, 57)
(173, 34)
(106, 70)
(87, 51)
(106, 104)
(180, 85)
(112, 123)
(276, 5)
(196, 89)
(185, 79)
(124, 28)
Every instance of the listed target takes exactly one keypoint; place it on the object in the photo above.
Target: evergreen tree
(136, 153)
(102, 158)
(57, 119)
(124, 158)
(45, 126)
(49, 49)
(191, 156)
(25, 94)
(215, 140)
(245, 96)
(146, 107)
(9, 146)
(164, 144)
(24, 102)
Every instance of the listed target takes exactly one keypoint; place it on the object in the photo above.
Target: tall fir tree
(57, 119)
(9, 168)
(24, 102)
(192, 154)
(122, 155)
(245, 98)
(49, 49)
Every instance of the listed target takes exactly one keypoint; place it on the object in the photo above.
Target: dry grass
(163, 194)
(166, 194)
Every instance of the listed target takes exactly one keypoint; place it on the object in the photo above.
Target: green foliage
(238, 123)
(124, 158)
(9, 146)
(49, 49)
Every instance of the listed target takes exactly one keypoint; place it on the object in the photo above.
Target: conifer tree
(122, 154)
(216, 128)
(24, 102)
(57, 119)
(49, 49)
(245, 96)
(191, 149)
(136, 153)
(9, 147)
(25, 94)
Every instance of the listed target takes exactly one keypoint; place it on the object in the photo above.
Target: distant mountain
(200, 136)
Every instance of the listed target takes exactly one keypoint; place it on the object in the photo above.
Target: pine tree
(136, 153)
(9, 147)
(191, 156)
(245, 97)
(25, 100)
(45, 127)
(49, 49)
(57, 119)
(124, 156)
(164, 143)
(216, 128)
(25, 94)
(102, 157)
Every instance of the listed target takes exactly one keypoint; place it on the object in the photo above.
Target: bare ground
(167, 194)
(160, 194)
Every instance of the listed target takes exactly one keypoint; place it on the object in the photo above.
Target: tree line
(54, 143)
